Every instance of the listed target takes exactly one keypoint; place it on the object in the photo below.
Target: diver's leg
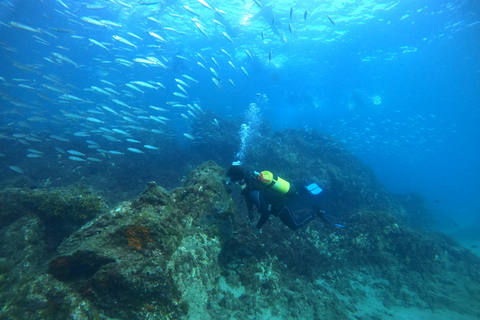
(289, 220)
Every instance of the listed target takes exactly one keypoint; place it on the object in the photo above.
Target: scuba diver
(269, 194)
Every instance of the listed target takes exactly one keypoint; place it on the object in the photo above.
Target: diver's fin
(324, 217)
(314, 189)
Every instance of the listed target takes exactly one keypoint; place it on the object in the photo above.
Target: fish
(249, 55)
(16, 169)
(41, 41)
(290, 28)
(75, 153)
(157, 108)
(182, 89)
(81, 134)
(33, 155)
(95, 6)
(95, 42)
(205, 4)
(63, 4)
(331, 20)
(133, 141)
(215, 62)
(121, 103)
(93, 159)
(291, 12)
(232, 65)
(182, 57)
(174, 30)
(144, 84)
(67, 96)
(201, 65)
(59, 138)
(147, 146)
(189, 78)
(157, 119)
(183, 83)
(180, 95)
(121, 131)
(31, 138)
(99, 90)
(189, 136)
(161, 85)
(124, 41)
(245, 71)
(228, 37)
(226, 53)
(231, 82)
(115, 152)
(23, 26)
(270, 56)
(63, 58)
(76, 158)
(34, 151)
(134, 150)
(156, 36)
(129, 120)
(131, 86)
(134, 35)
(21, 85)
(190, 112)
(190, 10)
(219, 23)
(94, 120)
(215, 74)
(201, 29)
(154, 20)
(146, 61)
(201, 57)
(305, 15)
(111, 90)
(93, 21)
(123, 62)
(217, 83)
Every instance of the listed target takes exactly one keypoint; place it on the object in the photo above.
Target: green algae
(71, 205)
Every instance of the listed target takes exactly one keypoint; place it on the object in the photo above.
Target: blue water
(397, 82)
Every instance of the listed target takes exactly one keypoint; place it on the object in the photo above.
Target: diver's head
(235, 174)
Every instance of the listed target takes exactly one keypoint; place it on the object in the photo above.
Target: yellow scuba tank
(274, 182)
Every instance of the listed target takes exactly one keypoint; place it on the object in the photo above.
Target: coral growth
(138, 236)
(73, 205)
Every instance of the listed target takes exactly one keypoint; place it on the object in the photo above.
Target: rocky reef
(189, 253)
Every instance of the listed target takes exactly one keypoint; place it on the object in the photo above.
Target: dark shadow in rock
(80, 265)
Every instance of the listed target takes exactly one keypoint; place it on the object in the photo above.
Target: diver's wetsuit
(270, 202)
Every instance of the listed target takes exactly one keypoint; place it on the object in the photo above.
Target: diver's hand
(250, 217)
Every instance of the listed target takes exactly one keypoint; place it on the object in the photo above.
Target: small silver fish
(134, 150)
(16, 169)
(76, 158)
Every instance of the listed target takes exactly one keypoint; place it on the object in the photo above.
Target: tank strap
(274, 180)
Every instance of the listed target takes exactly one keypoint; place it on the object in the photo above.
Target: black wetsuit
(268, 202)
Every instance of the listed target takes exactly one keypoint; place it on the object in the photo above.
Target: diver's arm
(263, 219)
(249, 203)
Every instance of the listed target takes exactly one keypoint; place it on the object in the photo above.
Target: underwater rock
(80, 265)
(142, 254)
(189, 253)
